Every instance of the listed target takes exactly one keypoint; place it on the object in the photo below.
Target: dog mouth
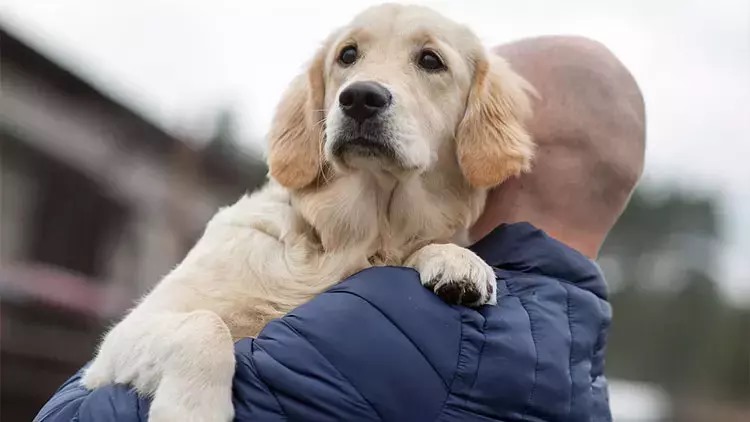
(370, 139)
(361, 146)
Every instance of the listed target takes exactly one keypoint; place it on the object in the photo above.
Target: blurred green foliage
(225, 147)
(671, 325)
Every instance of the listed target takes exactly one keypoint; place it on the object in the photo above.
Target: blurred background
(124, 125)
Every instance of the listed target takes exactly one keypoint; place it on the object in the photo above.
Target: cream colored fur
(322, 218)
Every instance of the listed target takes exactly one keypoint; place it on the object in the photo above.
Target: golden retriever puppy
(381, 153)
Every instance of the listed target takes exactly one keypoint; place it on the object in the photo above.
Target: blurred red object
(58, 288)
(50, 323)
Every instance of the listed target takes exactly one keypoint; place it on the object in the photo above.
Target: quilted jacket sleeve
(113, 403)
(380, 347)
(357, 350)
(354, 353)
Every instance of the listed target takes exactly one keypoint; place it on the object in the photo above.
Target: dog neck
(384, 218)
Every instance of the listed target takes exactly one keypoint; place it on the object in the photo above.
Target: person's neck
(520, 200)
(587, 243)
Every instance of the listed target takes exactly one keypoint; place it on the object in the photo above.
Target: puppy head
(393, 89)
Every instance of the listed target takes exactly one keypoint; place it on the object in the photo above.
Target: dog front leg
(185, 360)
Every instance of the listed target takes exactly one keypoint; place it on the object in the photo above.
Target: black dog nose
(362, 100)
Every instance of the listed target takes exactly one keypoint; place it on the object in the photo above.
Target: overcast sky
(177, 61)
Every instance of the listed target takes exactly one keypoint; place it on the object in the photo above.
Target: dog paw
(455, 274)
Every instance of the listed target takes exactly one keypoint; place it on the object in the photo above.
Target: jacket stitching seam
(246, 361)
(559, 279)
(302, 336)
(534, 339)
(445, 384)
(455, 374)
(570, 353)
(481, 353)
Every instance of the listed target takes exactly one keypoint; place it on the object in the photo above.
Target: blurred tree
(671, 325)
(224, 147)
(734, 363)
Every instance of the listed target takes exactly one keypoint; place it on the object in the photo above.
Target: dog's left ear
(492, 143)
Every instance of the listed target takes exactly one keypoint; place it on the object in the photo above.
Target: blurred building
(96, 205)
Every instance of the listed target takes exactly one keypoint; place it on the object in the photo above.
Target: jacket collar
(524, 248)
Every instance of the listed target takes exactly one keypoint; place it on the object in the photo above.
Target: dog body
(381, 153)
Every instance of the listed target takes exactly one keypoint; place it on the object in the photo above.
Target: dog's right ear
(297, 132)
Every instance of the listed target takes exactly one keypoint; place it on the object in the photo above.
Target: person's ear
(492, 143)
(297, 132)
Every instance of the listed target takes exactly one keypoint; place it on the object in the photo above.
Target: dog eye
(430, 61)
(348, 55)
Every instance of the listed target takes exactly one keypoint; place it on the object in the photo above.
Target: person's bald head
(589, 127)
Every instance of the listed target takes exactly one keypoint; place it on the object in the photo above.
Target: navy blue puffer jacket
(380, 347)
